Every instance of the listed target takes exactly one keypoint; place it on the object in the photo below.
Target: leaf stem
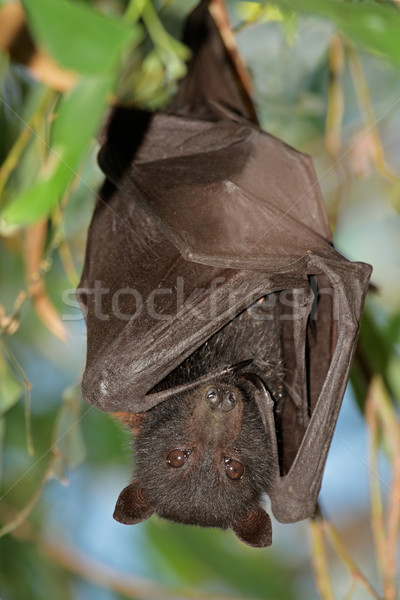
(366, 108)
(27, 386)
(13, 158)
(342, 551)
(320, 560)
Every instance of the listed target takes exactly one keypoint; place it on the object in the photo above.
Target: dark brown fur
(200, 492)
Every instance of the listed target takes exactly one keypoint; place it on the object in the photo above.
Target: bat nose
(222, 399)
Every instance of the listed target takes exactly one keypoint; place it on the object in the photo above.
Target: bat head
(202, 458)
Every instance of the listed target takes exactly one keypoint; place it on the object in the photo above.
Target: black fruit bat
(221, 321)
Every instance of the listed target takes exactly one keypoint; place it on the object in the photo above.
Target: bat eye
(234, 469)
(177, 457)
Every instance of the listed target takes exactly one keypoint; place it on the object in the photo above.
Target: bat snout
(221, 399)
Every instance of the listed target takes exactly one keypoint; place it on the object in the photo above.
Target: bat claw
(241, 365)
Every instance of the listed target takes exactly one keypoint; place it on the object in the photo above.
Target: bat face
(203, 457)
(192, 450)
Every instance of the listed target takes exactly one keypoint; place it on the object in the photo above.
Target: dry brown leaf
(33, 257)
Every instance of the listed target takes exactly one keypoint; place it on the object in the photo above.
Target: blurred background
(326, 80)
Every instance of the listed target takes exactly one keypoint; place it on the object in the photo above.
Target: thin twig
(72, 559)
(320, 559)
(9, 324)
(22, 516)
(163, 42)
(64, 251)
(364, 100)
(352, 589)
(334, 121)
(14, 155)
(377, 521)
(335, 109)
(342, 551)
(134, 10)
(220, 15)
(35, 238)
(391, 433)
(27, 386)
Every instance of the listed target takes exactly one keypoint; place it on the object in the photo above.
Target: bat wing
(201, 215)
(186, 273)
(224, 193)
(148, 308)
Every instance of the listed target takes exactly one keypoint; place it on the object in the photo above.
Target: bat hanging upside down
(221, 321)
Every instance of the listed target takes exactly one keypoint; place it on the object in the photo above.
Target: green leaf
(374, 26)
(376, 354)
(77, 36)
(10, 388)
(68, 441)
(79, 115)
(217, 558)
(393, 373)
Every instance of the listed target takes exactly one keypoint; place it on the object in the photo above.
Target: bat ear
(255, 529)
(132, 505)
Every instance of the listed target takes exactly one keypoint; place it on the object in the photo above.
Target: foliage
(326, 80)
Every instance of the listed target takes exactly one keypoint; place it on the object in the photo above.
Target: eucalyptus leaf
(376, 27)
(10, 388)
(393, 372)
(218, 557)
(79, 116)
(78, 36)
(67, 438)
